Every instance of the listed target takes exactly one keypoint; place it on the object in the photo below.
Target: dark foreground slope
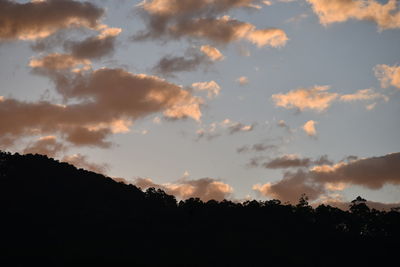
(53, 214)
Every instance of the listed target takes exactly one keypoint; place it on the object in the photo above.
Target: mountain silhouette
(53, 214)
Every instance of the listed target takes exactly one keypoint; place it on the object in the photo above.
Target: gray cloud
(94, 47)
(372, 173)
(200, 19)
(40, 19)
(191, 61)
(293, 161)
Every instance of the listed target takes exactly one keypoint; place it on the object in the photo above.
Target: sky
(216, 99)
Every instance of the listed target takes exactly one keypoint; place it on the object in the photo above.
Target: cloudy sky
(235, 99)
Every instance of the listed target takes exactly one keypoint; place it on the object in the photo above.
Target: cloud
(284, 125)
(212, 52)
(92, 110)
(240, 127)
(46, 145)
(309, 128)
(94, 47)
(386, 16)
(215, 129)
(365, 94)
(82, 136)
(204, 188)
(58, 61)
(40, 19)
(212, 88)
(271, 37)
(388, 75)
(372, 173)
(193, 7)
(317, 98)
(243, 80)
(297, 19)
(259, 147)
(294, 161)
(191, 61)
(314, 98)
(290, 188)
(200, 19)
(81, 161)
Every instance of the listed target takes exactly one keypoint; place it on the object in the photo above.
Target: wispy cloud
(385, 15)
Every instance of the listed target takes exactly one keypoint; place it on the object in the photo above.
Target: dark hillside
(53, 214)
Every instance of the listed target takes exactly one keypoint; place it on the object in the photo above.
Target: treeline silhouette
(53, 214)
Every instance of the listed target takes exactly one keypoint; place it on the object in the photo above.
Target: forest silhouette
(53, 214)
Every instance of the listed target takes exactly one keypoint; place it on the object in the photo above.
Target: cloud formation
(314, 98)
(201, 19)
(294, 161)
(318, 99)
(103, 102)
(243, 80)
(94, 47)
(81, 161)
(215, 129)
(290, 188)
(212, 52)
(309, 128)
(385, 15)
(192, 60)
(372, 173)
(204, 188)
(40, 19)
(212, 88)
(259, 147)
(46, 145)
(365, 94)
(388, 75)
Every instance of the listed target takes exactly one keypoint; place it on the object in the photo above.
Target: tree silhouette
(53, 214)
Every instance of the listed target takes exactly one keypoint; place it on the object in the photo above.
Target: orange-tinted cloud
(40, 19)
(388, 75)
(212, 88)
(81, 161)
(291, 187)
(96, 111)
(314, 98)
(212, 52)
(365, 94)
(243, 80)
(58, 61)
(204, 188)
(46, 145)
(317, 98)
(309, 128)
(372, 173)
(385, 15)
(201, 19)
